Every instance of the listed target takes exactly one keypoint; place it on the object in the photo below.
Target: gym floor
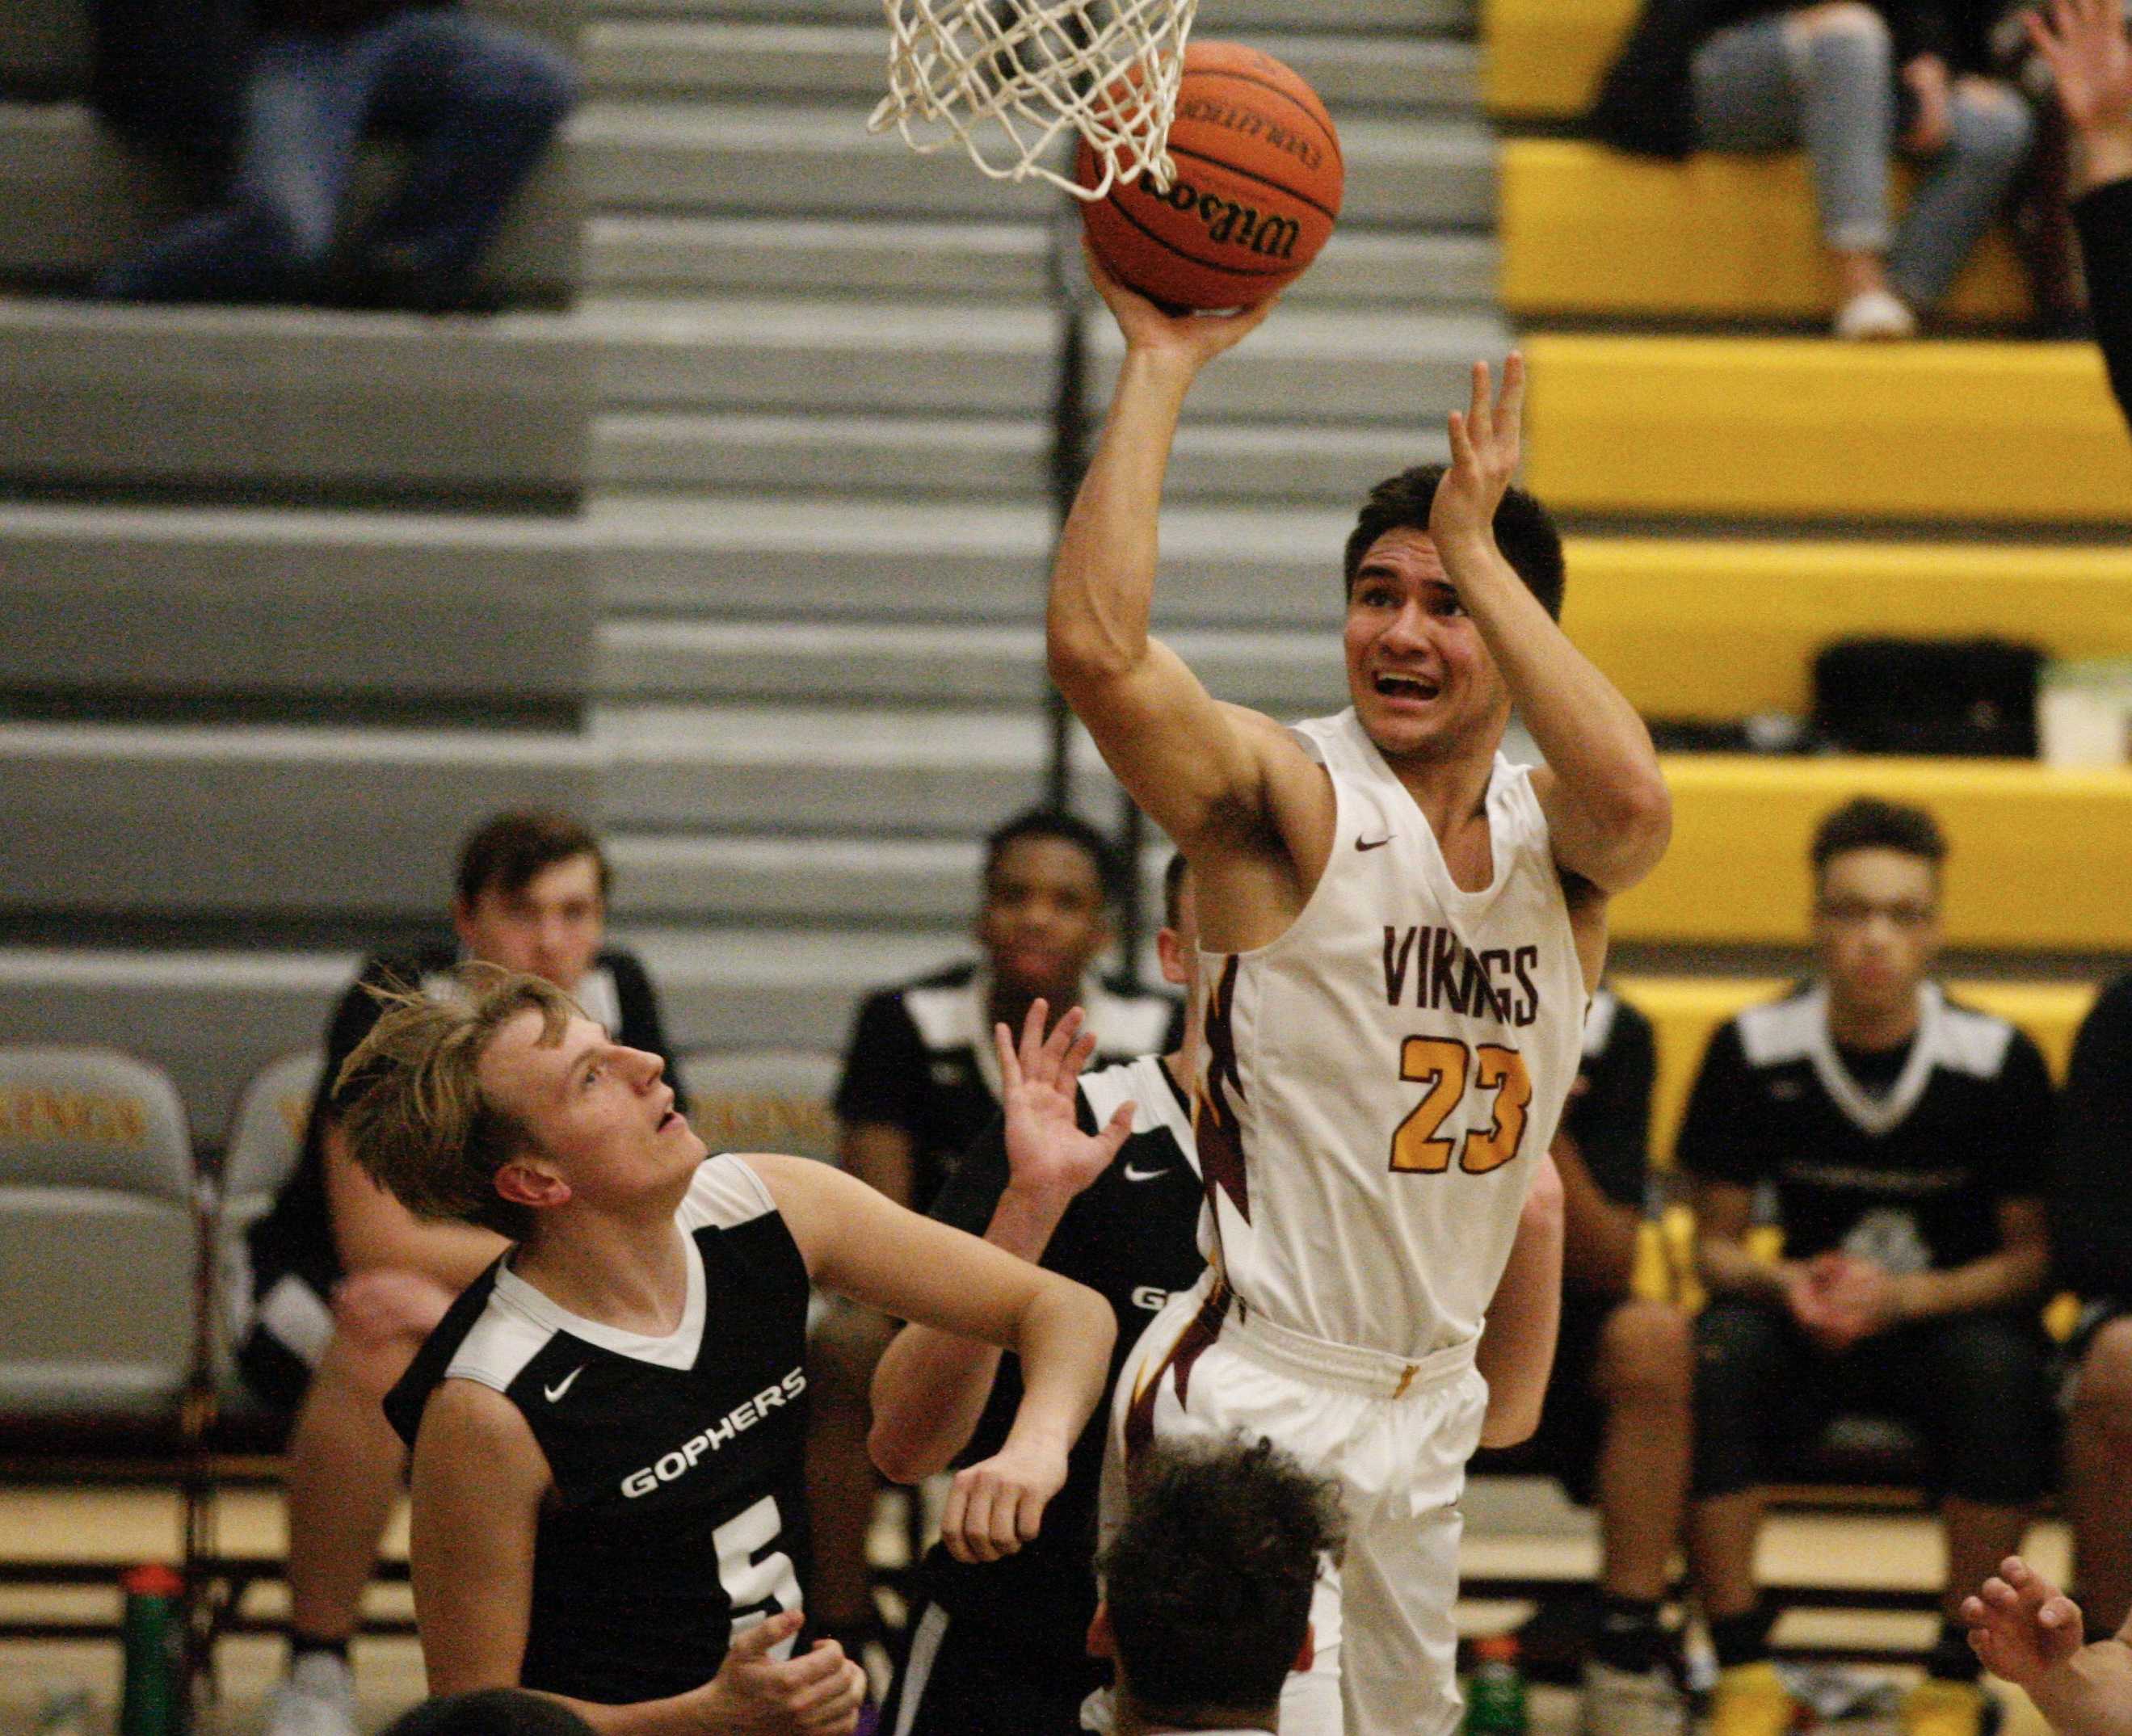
(1513, 1527)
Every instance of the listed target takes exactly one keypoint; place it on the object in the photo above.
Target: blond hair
(411, 1102)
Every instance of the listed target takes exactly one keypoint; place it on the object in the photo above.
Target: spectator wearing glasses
(1902, 1141)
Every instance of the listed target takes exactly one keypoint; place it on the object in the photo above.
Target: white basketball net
(1007, 79)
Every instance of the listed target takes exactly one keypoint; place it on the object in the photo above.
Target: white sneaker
(1621, 1703)
(1875, 315)
(316, 1699)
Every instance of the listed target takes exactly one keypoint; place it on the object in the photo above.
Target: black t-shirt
(679, 1506)
(920, 1059)
(2091, 1183)
(1131, 1236)
(296, 1238)
(1910, 1177)
(1609, 1114)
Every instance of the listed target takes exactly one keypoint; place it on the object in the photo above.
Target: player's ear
(1102, 1641)
(525, 1183)
(1306, 1654)
(1170, 950)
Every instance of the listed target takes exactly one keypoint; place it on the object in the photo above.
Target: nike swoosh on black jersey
(554, 1394)
(1146, 1175)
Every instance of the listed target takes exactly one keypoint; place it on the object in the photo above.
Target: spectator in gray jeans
(1853, 84)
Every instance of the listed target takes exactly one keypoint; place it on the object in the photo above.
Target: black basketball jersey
(1132, 1236)
(1904, 1168)
(679, 1507)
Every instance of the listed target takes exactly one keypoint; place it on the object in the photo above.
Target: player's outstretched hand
(1485, 445)
(1196, 339)
(1047, 1154)
(997, 1505)
(2021, 1625)
(815, 1693)
(2084, 41)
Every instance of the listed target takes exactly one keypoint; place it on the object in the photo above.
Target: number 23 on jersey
(1444, 1067)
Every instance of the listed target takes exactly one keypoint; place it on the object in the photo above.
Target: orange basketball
(1259, 179)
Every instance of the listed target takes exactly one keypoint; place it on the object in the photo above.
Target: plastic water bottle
(1496, 1692)
(154, 1703)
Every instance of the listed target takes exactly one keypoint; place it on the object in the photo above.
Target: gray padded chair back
(763, 1099)
(99, 1237)
(265, 1138)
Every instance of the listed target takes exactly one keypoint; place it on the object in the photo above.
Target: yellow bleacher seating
(1589, 231)
(2013, 433)
(2037, 856)
(1684, 1010)
(1707, 630)
(1544, 58)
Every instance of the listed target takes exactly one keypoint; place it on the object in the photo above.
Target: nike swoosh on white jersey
(554, 1394)
(1146, 1175)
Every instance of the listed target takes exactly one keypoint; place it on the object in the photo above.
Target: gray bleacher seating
(264, 401)
(292, 603)
(763, 1099)
(99, 1238)
(265, 1138)
(77, 198)
(250, 820)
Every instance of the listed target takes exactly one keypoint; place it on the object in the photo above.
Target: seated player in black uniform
(608, 1424)
(919, 1084)
(1101, 1184)
(1905, 1141)
(1207, 1589)
(344, 1284)
(1616, 1427)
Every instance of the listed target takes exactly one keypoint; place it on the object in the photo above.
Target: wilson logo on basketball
(1269, 237)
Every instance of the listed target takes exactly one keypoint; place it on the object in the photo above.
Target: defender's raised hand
(2021, 1625)
(1046, 1151)
(1485, 445)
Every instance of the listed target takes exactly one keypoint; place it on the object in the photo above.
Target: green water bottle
(153, 1703)
(1496, 1690)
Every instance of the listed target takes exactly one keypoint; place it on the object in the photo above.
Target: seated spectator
(1205, 1604)
(2091, 1255)
(1904, 1140)
(1854, 84)
(478, 103)
(2085, 42)
(2029, 1633)
(345, 1283)
(1615, 1428)
(920, 1083)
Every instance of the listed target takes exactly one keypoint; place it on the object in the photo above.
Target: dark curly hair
(1208, 1581)
(1524, 531)
(1870, 823)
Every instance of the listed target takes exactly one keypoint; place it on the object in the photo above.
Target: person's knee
(1990, 123)
(1646, 1355)
(1843, 21)
(527, 89)
(2102, 1397)
(1991, 1412)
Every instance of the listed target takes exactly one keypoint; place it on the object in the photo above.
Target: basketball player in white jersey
(1398, 931)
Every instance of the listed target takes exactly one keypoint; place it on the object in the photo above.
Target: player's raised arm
(1606, 803)
(1184, 757)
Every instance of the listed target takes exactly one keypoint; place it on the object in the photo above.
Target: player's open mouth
(1406, 687)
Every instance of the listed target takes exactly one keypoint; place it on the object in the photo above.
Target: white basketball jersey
(1375, 1085)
